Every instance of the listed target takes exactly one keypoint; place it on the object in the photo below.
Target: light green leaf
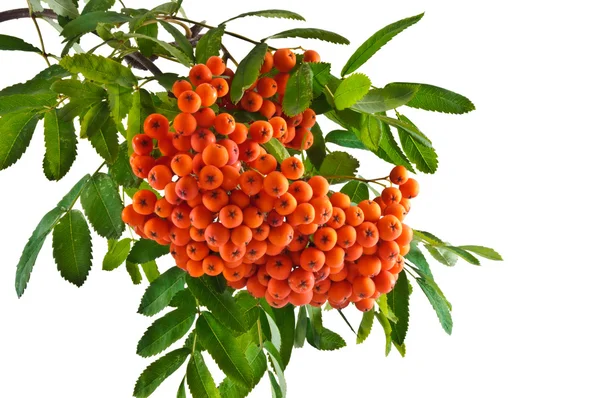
(277, 365)
(416, 257)
(483, 251)
(16, 130)
(61, 145)
(161, 291)
(371, 132)
(158, 371)
(365, 326)
(301, 325)
(224, 349)
(384, 99)
(437, 99)
(209, 44)
(26, 102)
(74, 88)
(141, 107)
(337, 166)
(64, 8)
(316, 153)
(11, 43)
(351, 90)
(442, 255)
(174, 51)
(398, 304)
(321, 76)
(100, 69)
(275, 388)
(151, 271)
(97, 5)
(427, 237)
(387, 330)
(310, 33)
(180, 39)
(106, 141)
(268, 14)
(102, 205)
(276, 148)
(120, 100)
(298, 92)
(117, 254)
(409, 128)
(88, 22)
(285, 320)
(94, 119)
(247, 72)
(133, 270)
(199, 379)
(438, 302)
(375, 42)
(72, 247)
(275, 333)
(147, 46)
(345, 139)
(356, 190)
(165, 105)
(145, 250)
(181, 390)
(465, 255)
(166, 331)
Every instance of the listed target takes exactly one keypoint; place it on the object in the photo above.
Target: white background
(519, 174)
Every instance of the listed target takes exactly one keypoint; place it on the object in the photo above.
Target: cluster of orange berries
(228, 207)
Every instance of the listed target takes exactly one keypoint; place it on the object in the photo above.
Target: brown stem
(24, 13)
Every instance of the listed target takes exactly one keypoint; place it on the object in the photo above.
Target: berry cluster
(229, 207)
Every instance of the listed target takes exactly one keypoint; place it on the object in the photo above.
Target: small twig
(227, 56)
(260, 336)
(25, 13)
(373, 180)
(188, 31)
(39, 32)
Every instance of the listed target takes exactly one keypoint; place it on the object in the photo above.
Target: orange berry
(389, 228)
(216, 65)
(181, 165)
(261, 131)
(156, 126)
(156, 228)
(200, 74)
(210, 177)
(189, 102)
(340, 292)
(180, 86)
(410, 189)
(301, 190)
(365, 304)
(406, 236)
(312, 259)
(159, 176)
(212, 265)
(224, 124)
(311, 56)
(309, 118)
(266, 87)
(185, 124)
(284, 59)
(215, 154)
(319, 185)
(144, 201)
(398, 175)
(325, 238)
(186, 188)
(132, 217)
(267, 63)
(207, 94)
(275, 184)
(221, 86)
(301, 280)
(369, 265)
(367, 234)
(142, 144)
(292, 168)
(391, 195)
(371, 210)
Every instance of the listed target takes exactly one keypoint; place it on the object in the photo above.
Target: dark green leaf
(330, 341)
(40, 83)
(102, 205)
(384, 99)
(97, 5)
(465, 255)
(298, 92)
(94, 119)
(11, 43)
(133, 270)
(316, 153)
(484, 252)
(416, 257)
(120, 171)
(301, 325)
(147, 46)
(320, 104)
(16, 130)
(438, 302)
(321, 76)
(61, 145)
(345, 139)
(120, 100)
(181, 390)
(75, 108)
(165, 105)
(422, 156)
(145, 250)
(64, 8)
(398, 303)
(166, 331)
(180, 39)
(117, 254)
(209, 44)
(310, 33)
(387, 330)
(72, 247)
(249, 307)
(274, 332)
(370, 132)
(351, 90)
(375, 42)
(258, 363)
(88, 22)
(151, 271)
(285, 319)
(365, 326)
(158, 371)
(161, 291)
(356, 190)
(442, 255)
(199, 379)
(26, 102)
(74, 88)
(432, 98)
(172, 50)
(337, 166)
(224, 349)
(141, 107)
(277, 366)
(409, 128)
(276, 148)
(247, 72)
(269, 14)
(182, 298)
(428, 237)
(275, 388)
(100, 69)
(106, 141)
(222, 305)
(390, 151)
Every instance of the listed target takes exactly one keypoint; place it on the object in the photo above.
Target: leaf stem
(39, 33)
(91, 50)
(373, 180)
(260, 336)
(188, 32)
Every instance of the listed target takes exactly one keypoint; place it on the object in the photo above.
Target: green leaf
(382, 302)
(166, 331)
(61, 145)
(133, 270)
(26, 102)
(277, 365)
(298, 92)
(416, 257)
(72, 247)
(181, 390)
(375, 42)
(437, 99)
(276, 148)
(64, 8)
(365, 326)
(120, 100)
(165, 105)
(249, 307)
(94, 119)
(356, 190)
(117, 254)
(180, 39)
(16, 130)
(465, 255)
(97, 5)
(151, 271)
(273, 328)
(275, 388)
(371, 132)
(74, 88)
(247, 72)
(301, 325)
(199, 379)
(99, 69)
(387, 330)
(268, 14)
(285, 320)
(158, 371)
(409, 128)
(438, 302)
(351, 90)
(161, 291)
(102, 205)
(442, 255)
(106, 141)
(330, 341)
(147, 46)
(39, 84)
(174, 51)
(145, 250)
(258, 363)
(141, 107)
(222, 305)
(321, 76)
(483, 251)
(88, 22)
(310, 33)
(223, 347)
(428, 237)
(337, 166)
(11, 43)
(209, 44)
(398, 304)
(422, 156)
(345, 139)
(316, 153)
(384, 99)
(120, 171)
(75, 108)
